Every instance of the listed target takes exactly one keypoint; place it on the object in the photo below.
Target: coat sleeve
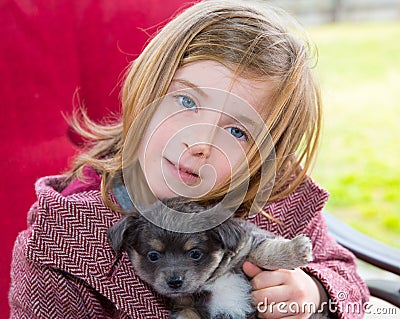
(335, 267)
(40, 291)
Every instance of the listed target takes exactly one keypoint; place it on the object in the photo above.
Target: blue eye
(153, 256)
(237, 133)
(187, 102)
(195, 254)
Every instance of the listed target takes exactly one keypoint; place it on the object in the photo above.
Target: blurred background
(358, 44)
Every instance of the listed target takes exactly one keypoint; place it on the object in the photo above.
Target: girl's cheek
(224, 168)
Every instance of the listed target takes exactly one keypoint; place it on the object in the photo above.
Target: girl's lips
(185, 174)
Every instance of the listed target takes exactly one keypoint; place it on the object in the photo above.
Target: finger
(278, 308)
(270, 296)
(270, 278)
(272, 310)
(250, 269)
(275, 305)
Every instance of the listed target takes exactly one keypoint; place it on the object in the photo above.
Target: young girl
(208, 96)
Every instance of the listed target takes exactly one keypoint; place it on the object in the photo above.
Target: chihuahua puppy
(201, 272)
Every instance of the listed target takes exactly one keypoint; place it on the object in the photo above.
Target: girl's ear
(230, 233)
(123, 233)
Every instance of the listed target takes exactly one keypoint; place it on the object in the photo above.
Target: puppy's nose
(175, 281)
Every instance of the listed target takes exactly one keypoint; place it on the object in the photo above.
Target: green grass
(359, 159)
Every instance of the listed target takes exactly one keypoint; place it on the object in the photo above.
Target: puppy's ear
(123, 233)
(230, 233)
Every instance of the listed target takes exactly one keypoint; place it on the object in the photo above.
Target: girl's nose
(199, 138)
(199, 149)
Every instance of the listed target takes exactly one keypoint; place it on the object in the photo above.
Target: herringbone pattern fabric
(333, 265)
(61, 262)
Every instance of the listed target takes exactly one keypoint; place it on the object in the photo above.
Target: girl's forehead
(208, 76)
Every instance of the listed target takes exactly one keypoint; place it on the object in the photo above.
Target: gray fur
(224, 249)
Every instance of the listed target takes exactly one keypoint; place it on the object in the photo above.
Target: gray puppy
(201, 272)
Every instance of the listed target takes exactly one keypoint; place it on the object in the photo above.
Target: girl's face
(201, 129)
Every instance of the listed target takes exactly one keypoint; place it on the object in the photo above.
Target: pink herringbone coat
(62, 261)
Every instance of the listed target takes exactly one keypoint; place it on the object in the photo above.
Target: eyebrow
(191, 85)
(246, 121)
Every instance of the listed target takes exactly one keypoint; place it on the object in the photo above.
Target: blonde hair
(255, 43)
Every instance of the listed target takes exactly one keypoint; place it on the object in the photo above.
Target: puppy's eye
(153, 256)
(195, 254)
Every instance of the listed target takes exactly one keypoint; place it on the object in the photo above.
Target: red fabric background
(48, 50)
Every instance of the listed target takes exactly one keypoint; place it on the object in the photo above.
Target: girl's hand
(283, 293)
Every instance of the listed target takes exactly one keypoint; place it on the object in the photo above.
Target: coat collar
(294, 211)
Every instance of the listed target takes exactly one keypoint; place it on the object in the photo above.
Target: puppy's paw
(281, 253)
(302, 250)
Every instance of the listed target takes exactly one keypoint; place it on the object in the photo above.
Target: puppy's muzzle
(175, 282)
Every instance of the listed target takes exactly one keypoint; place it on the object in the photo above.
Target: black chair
(373, 252)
